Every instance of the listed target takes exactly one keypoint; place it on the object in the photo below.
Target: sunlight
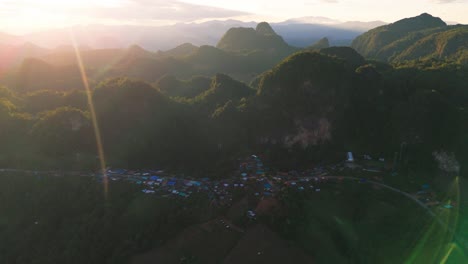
(32, 15)
(60, 4)
(97, 131)
(300, 131)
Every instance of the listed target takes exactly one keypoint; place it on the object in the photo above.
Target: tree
(64, 131)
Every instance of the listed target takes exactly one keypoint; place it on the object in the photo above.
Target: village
(251, 176)
(254, 179)
(257, 181)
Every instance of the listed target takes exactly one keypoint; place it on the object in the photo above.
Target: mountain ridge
(206, 33)
(419, 37)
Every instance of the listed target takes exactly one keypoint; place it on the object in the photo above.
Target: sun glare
(35, 15)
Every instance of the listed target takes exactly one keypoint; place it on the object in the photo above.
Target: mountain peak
(321, 44)
(261, 38)
(429, 18)
(263, 28)
(425, 15)
(372, 42)
(137, 51)
(423, 21)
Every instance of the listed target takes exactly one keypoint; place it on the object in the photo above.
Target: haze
(24, 16)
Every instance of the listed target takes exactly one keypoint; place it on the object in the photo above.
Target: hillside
(451, 43)
(35, 74)
(371, 43)
(311, 107)
(222, 89)
(300, 100)
(319, 103)
(167, 137)
(173, 87)
(95, 58)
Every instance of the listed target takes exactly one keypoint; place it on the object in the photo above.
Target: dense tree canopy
(421, 37)
(313, 104)
(188, 111)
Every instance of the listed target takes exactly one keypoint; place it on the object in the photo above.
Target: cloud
(122, 10)
(160, 10)
(450, 1)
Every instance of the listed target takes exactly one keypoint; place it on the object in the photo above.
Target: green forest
(400, 89)
(299, 107)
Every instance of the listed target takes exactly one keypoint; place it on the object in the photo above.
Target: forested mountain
(299, 107)
(451, 44)
(196, 111)
(263, 37)
(421, 37)
(173, 87)
(242, 53)
(330, 97)
(321, 44)
(35, 74)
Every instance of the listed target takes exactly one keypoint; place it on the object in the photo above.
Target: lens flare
(439, 243)
(97, 131)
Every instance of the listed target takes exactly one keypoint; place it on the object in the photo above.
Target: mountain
(130, 55)
(301, 32)
(224, 88)
(151, 38)
(300, 100)
(249, 39)
(302, 35)
(297, 32)
(12, 55)
(387, 42)
(243, 54)
(321, 44)
(173, 87)
(34, 74)
(360, 26)
(451, 43)
(312, 20)
(135, 62)
(95, 58)
(349, 55)
(183, 50)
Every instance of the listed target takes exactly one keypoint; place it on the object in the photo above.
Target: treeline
(312, 106)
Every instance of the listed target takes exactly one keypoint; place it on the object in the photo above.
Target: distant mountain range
(241, 52)
(300, 32)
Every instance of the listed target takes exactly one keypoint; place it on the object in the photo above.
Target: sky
(24, 16)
